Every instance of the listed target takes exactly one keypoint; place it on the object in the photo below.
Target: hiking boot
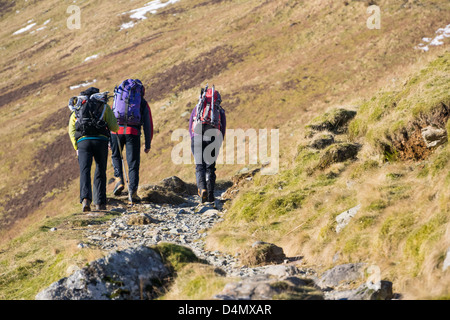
(134, 198)
(118, 188)
(86, 205)
(211, 198)
(100, 206)
(203, 194)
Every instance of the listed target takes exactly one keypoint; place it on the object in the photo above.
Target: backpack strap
(201, 101)
(103, 112)
(212, 104)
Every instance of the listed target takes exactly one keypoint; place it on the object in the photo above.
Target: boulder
(344, 218)
(434, 136)
(177, 185)
(262, 253)
(266, 287)
(381, 291)
(159, 195)
(341, 274)
(131, 274)
(282, 271)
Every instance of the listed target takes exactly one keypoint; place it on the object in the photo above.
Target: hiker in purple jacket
(205, 162)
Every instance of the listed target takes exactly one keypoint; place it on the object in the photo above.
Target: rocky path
(187, 224)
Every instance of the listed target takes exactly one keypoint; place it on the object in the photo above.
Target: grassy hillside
(403, 193)
(278, 64)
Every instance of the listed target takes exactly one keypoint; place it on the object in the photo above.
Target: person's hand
(147, 150)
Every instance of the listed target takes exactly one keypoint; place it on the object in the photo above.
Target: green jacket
(108, 117)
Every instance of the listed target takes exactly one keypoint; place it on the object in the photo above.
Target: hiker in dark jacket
(132, 140)
(89, 147)
(205, 165)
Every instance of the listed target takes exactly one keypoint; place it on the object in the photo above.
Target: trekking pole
(124, 169)
(201, 101)
(212, 106)
(127, 104)
(123, 162)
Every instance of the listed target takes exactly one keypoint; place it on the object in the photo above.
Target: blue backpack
(127, 102)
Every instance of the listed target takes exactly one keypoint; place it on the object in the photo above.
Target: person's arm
(71, 130)
(191, 121)
(223, 125)
(147, 126)
(110, 119)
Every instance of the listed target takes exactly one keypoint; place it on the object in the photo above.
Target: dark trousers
(89, 150)
(132, 154)
(205, 165)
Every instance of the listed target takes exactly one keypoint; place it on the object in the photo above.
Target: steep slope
(376, 192)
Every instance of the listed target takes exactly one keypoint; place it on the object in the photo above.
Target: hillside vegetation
(279, 64)
(402, 221)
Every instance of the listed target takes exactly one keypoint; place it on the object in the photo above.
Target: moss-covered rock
(338, 153)
(334, 120)
(321, 141)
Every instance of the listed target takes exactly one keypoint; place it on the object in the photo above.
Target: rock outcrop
(131, 274)
(344, 218)
(263, 253)
(338, 152)
(334, 121)
(434, 136)
(341, 274)
(267, 287)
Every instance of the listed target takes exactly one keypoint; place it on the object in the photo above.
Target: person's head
(90, 91)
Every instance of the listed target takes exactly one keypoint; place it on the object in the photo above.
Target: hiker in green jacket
(89, 130)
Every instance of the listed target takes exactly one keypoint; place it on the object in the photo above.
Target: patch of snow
(423, 47)
(47, 21)
(24, 29)
(127, 25)
(95, 56)
(438, 40)
(140, 13)
(38, 29)
(83, 84)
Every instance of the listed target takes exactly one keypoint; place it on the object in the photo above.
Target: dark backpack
(89, 111)
(208, 110)
(127, 102)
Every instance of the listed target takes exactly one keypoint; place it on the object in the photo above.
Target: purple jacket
(223, 123)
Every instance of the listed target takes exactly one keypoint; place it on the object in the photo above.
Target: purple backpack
(127, 102)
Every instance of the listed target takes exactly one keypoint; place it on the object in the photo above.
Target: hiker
(89, 129)
(132, 112)
(207, 126)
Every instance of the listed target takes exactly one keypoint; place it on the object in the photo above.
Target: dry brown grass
(294, 61)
